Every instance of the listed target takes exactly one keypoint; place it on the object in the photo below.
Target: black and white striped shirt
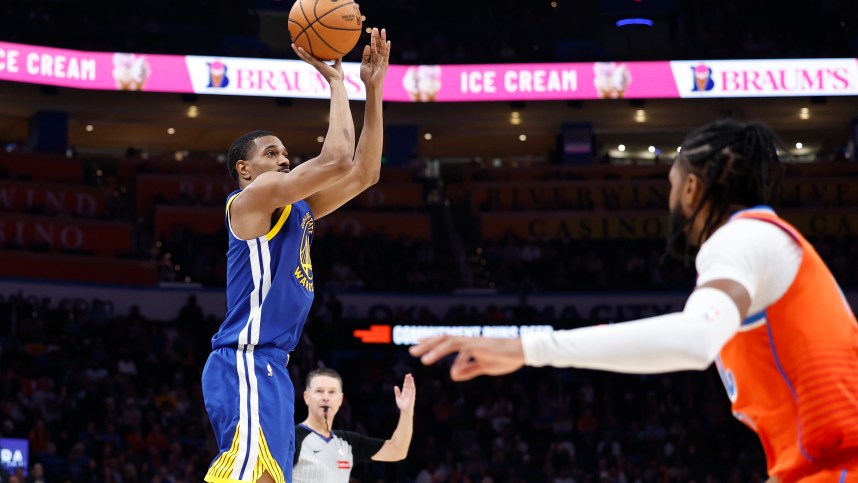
(329, 460)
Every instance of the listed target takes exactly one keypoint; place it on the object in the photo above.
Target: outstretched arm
(396, 448)
(275, 189)
(367, 159)
(688, 340)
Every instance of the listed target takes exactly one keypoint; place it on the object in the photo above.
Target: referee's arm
(396, 448)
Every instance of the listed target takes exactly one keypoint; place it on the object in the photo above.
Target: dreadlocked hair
(739, 166)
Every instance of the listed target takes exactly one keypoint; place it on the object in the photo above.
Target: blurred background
(112, 244)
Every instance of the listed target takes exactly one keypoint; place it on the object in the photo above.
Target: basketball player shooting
(270, 219)
(766, 311)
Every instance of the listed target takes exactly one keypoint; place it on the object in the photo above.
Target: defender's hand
(476, 355)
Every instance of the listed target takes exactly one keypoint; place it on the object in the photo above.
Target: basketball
(327, 29)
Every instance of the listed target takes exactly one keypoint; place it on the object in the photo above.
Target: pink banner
(432, 83)
(93, 70)
(509, 82)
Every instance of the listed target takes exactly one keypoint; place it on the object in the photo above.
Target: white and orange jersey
(792, 372)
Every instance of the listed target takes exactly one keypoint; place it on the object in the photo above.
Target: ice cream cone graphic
(611, 80)
(702, 78)
(217, 74)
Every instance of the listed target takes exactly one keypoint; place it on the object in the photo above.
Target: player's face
(269, 154)
(678, 226)
(324, 391)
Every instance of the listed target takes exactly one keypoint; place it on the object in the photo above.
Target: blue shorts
(251, 404)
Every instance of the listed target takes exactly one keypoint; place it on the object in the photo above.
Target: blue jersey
(269, 286)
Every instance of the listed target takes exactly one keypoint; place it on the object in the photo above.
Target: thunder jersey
(792, 372)
(269, 286)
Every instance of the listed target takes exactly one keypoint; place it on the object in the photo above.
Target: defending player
(766, 310)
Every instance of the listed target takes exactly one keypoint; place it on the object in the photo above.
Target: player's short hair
(240, 149)
(738, 163)
(323, 371)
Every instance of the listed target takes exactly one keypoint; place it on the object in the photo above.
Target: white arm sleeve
(688, 340)
(755, 254)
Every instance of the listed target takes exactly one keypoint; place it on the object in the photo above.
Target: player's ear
(692, 190)
(242, 167)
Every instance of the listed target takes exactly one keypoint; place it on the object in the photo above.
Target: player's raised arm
(367, 158)
(264, 174)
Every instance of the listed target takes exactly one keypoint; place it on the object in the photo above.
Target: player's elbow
(372, 177)
(342, 164)
(400, 455)
(700, 358)
(337, 165)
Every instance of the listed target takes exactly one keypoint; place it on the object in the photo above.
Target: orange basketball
(327, 29)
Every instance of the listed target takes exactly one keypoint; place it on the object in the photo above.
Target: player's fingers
(298, 51)
(424, 345)
(396, 391)
(442, 349)
(465, 368)
(367, 52)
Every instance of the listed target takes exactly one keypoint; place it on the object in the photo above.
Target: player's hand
(405, 397)
(477, 355)
(331, 72)
(376, 58)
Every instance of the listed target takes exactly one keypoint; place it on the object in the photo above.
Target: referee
(326, 456)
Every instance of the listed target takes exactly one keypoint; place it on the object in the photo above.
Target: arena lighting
(522, 137)
(89, 127)
(799, 145)
(171, 130)
(804, 113)
(427, 136)
(634, 21)
(320, 139)
(621, 148)
(651, 149)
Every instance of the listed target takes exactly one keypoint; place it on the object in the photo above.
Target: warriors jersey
(330, 460)
(791, 372)
(269, 286)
